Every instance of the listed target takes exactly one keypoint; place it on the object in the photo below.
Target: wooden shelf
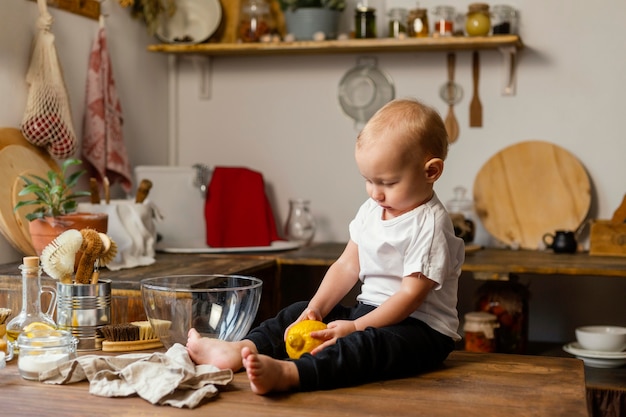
(456, 43)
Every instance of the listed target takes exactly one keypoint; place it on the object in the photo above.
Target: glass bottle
(504, 20)
(300, 225)
(462, 207)
(444, 20)
(364, 22)
(478, 21)
(397, 22)
(31, 302)
(418, 23)
(255, 20)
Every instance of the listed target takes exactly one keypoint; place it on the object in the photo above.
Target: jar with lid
(397, 22)
(300, 225)
(255, 21)
(478, 21)
(444, 21)
(43, 350)
(503, 20)
(364, 22)
(461, 211)
(479, 329)
(418, 23)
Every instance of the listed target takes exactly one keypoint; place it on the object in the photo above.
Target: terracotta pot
(44, 231)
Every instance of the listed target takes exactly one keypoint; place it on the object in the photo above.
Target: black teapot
(562, 241)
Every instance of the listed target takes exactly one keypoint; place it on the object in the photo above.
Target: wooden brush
(137, 335)
(109, 250)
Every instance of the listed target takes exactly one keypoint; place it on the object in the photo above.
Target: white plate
(193, 22)
(201, 247)
(365, 89)
(575, 349)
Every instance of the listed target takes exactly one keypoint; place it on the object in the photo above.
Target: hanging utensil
(476, 108)
(452, 97)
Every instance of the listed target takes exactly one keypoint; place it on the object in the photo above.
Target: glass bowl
(217, 306)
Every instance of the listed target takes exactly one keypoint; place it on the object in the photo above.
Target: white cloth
(169, 378)
(421, 240)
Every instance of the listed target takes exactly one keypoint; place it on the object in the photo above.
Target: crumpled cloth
(103, 146)
(169, 378)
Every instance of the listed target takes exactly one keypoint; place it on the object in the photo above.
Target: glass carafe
(300, 226)
(31, 302)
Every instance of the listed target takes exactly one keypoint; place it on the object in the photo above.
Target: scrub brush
(59, 256)
(109, 250)
(137, 335)
(91, 251)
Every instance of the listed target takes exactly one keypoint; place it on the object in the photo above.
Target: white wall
(280, 115)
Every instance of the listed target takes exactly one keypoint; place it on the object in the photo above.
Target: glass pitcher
(300, 225)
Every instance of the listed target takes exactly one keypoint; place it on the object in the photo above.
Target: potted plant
(306, 18)
(56, 205)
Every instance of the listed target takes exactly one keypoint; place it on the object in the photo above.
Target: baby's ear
(433, 169)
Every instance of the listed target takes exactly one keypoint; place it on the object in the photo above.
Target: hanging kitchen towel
(237, 211)
(103, 143)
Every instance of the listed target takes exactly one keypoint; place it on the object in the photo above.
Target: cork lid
(31, 261)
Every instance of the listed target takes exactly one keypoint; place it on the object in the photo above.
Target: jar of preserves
(418, 23)
(398, 18)
(444, 20)
(43, 350)
(255, 21)
(478, 21)
(364, 22)
(504, 20)
(479, 331)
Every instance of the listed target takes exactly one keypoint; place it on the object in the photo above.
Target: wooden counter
(469, 384)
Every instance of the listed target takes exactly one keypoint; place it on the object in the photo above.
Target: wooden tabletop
(469, 384)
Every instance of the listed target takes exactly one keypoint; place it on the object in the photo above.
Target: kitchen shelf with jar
(508, 45)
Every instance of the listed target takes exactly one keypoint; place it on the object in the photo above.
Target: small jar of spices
(444, 21)
(364, 22)
(397, 22)
(504, 20)
(418, 23)
(478, 21)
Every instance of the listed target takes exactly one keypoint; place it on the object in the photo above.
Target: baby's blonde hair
(417, 127)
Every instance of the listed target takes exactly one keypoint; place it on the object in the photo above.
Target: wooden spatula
(452, 126)
(476, 108)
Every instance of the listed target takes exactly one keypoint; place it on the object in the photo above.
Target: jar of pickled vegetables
(444, 20)
(418, 23)
(397, 22)
(478, 21)
(479, 331)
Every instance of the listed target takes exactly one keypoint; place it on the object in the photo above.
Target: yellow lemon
(37, 325)
(299, 340)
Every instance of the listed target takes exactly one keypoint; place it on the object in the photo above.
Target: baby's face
(396, 184)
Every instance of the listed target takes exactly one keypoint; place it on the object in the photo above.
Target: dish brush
(137, 335)
(59, 256)
(91, 251)
(109, 250)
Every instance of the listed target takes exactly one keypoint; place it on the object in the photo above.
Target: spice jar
(397, 22)
(477, 21)
(42, 350)
(444, 20)
(418, 23)
(504, 20)
(479, 331)
(364, 22)
(255, 21)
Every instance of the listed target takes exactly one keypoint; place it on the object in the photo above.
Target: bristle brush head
(59, 256)
(110, 250)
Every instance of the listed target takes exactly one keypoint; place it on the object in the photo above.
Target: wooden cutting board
(529, 189)
(18, 157)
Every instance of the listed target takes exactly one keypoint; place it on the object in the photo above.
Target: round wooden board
(18, 157)
(529, 189)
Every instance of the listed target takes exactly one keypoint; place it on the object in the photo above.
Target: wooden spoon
(452, 126)
(476, 108)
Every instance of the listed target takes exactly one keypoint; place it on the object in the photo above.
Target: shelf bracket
(204, 66)
(509, 65)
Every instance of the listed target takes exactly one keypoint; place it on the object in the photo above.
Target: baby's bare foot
(267, 374)
(220, 353)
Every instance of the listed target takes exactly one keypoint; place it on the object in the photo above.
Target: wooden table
(469, 384)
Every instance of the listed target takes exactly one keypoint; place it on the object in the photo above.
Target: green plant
(292, 5)
(53, 194)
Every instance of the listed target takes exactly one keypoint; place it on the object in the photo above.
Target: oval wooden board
(18, 157)
(529, 189)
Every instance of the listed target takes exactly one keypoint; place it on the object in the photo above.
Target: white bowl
(602, 338)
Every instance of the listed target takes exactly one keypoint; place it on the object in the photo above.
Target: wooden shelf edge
(344, 46)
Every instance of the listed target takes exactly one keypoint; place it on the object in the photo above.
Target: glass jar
(364, 22)
(504, 20)
(397, 22)
(300, 225)
(31, 313)
(418, 23)
(478, 21)
(43, 350)
(461, 211)
(479, 329)
(255, 21)
(444, 20)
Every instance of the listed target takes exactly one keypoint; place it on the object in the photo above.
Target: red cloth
(103, 144)
(237, 211)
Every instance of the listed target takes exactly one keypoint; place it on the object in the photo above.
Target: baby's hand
(308, 314)
(335, 330)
